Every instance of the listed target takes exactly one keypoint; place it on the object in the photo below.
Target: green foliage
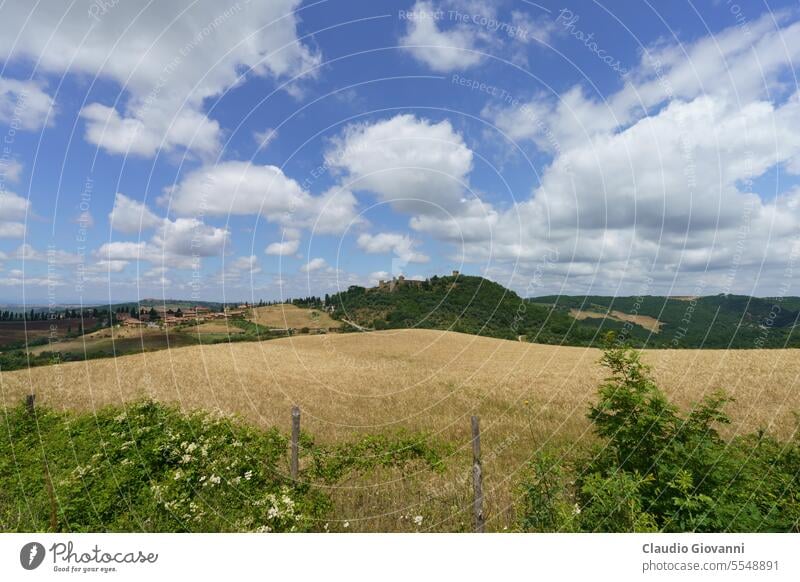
(547, 503)
(148, 468)
(463, 304)
(151, 468)
(658, 469)
(714, 321)
(333, 463)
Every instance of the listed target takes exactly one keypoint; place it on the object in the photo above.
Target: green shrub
(151, 468)
(656, 468)
(148, 468)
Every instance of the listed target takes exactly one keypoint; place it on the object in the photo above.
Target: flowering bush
(149, 468)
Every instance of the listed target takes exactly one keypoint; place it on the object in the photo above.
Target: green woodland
(479, 306)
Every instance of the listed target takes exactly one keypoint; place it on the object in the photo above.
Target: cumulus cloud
(25, 105)
(314, 265)
(166, 57)
(13, 209)
(266, 137)
(441, 50)
(190, 237)
(58, 257)
(659, 178)
(400, 245)
(10, 170)
(179, 243)
(244, 188)
(283, 248)
(240, 266)
(415, 164)
(131, 216)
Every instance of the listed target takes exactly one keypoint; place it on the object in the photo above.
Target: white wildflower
(418, 520)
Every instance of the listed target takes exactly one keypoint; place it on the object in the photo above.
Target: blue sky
(249, 150)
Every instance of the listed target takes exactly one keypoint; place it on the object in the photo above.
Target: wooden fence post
(477, 477)
(295, 459)
(29, 399)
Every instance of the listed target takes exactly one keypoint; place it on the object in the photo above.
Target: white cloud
(56, 257)
(13, 209)
(24, 104)
(234, 270)
(189, 237)
(115, 266)
(181, 243)
(124, 251)
(266, 137)
(415, 164)
(167, 57)
(20, 280)
(246, 264)
(314, 265)
(243, 188)
(129, 135)
(402, 246)
(283, 248)
(657, 180)
(10, 170)
(441, 50)
(131, 216)
(11, 229)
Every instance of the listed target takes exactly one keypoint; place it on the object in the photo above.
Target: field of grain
(527, 396)
(213, 327)
(647, 322)
(287, 315)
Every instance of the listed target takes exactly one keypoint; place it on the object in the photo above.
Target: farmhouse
(129, 321)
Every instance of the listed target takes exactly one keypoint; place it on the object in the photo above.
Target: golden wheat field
(527, 396)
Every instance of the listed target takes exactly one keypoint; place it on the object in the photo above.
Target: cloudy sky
(273, 148)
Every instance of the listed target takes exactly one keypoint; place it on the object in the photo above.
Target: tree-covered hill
(716, 321)
(479, 306)
(464, 304)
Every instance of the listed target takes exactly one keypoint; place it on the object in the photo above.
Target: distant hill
(482, 307)
(716, 321)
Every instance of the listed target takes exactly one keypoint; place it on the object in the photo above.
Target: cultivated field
(20, 331)
(286, 315)
(527, 396)
(647, 322)
(125, 340)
